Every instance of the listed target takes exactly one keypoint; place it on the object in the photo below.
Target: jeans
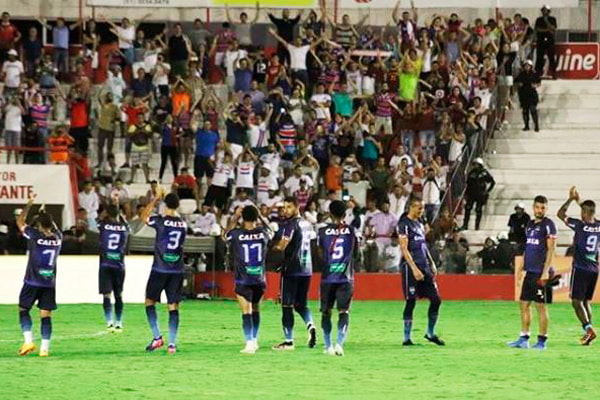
(61, 60)
(108, 137)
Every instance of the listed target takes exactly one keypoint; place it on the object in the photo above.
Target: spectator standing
(169, 148)
(80, 119)
(517, 223)
(9, 36)
(126, 36)
(357, 189)
(109, 115)
(381, 228)
(479, 184)
(180, 49)
(13, 123)
(526, 81)
(89, 200)
(206, 146)
(140, 134)
(60, 42)
(545, 30)
(12, 71)
(285, 29)
(243, 28)
(32, 51)
(58, 144)
(431, 195)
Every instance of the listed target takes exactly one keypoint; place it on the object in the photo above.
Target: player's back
(168, 247)
(414, 231)
(43, 252)
(113, 243)
(249, 251)
(338, 244)
(585, 243)
(298, 257)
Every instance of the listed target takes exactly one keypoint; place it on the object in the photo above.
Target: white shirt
(265, 183)
(240, 203)
(13, 71)
(358, 191)
(356, 78)
(298, 56)
(397, 205)
(222, 174)
(293, 183)
(431, 191)
(396, 160)
(230, 57)
(13, 119)
(202, 223)
(161, 74)
(368, 85)
(322, 113)
(245, 175)
(273, 159)
(90, 202)
(116, 85)
(258, 135)
(127, 33)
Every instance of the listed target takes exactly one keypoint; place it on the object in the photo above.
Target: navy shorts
(531, 290)
(172, 284)
(45, 297)
(413, 289)
(111, 280)
(252, 293)
(583, 284)
(340, 293)
(294, 290)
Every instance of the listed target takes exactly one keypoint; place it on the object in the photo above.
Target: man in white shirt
(233, 55)
(293, 182)
(397, 199)
(396, 160)
(431, 195)
(13, 121)
(89, 201)
(321, 102)
(266, 183)
(201, 223)
(357, 189)
(241, 201)
(12, 70)
(273, 159)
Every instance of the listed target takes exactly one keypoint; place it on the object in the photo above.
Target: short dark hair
(337, 208)
(112, 211)
(172, 201)
(413, 200)
(540, 199)
(291, 199)
(589, 206)
(45, 220)
(249, 214)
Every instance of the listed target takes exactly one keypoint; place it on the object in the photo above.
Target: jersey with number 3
(113, 241)
(43, 251)
(585, 244)
(168, 248)
(249, 251)
(338, 244)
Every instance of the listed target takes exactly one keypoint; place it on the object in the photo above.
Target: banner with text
(203, 3)
(562, 266)
(405, 4)
(50, 183)
(578, 60)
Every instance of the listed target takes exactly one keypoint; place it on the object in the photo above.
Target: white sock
(524, 333)
(45, 345)
(28, 337)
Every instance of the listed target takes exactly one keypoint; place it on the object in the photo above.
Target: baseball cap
(266, 166)
(478, 160)
(17, 211)
(520, 205)
(13, 52)
(529, 62)
(546, 6)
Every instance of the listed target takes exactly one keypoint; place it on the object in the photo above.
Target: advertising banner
(50, 183)
(405, 4)
(578, 60)
(203, 3)
(562, 265)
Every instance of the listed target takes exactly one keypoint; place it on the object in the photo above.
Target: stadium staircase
(565, 152)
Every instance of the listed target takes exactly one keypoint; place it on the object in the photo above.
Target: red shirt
(79, 114)
(186, 181)
(7, 36)
(272, 72)
(133, 114)
(214, 74)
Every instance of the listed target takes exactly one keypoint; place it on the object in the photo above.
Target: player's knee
(299, 308)
(45, 313)
(150, 302)
(173, 306)
(255, 307)
(342, 311)
(107, 295)
(326, 313)
(436, 301)
(576, 304)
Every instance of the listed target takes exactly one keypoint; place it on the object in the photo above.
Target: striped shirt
(245, 175)
(287, 137)
(39, 113)
(343, 35)
(384, 109)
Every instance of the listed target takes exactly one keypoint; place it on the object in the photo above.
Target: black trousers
(168, 152)
(548, 49)
(478, 202)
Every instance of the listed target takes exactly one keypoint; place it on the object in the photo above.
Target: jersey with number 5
(249, 250)
(113, 241)
(168, 248)
(338, 244)
(43, 251)
(585, 243)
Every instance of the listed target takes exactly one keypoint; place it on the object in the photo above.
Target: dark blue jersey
(414, 231)
(168, 247)
(585, 244)
(43, 252)
(298, 257)
(113, 243)
(536, 246)
(338, 244)
(249, 251)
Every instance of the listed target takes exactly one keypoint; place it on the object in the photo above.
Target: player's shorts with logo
(172, 284)
(413, 289)
(110, 280)
(531, 289)
(340, 293)
(252, 293)
(45, 297)
(583, 284)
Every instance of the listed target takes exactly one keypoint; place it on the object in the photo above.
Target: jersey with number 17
(168, 248)
(249, 251)
(43, 251)
(113, 241)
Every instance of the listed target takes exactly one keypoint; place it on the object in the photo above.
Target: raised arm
(255, 19)
(22, 218)
(562, 211)
(276, 36)
(395, 13)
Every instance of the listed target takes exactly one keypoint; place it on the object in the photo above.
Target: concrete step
(530, 162)
(576, 87)
(517, 192)
(505, 207)
(566, 100)
(499, 222)
(568, 132)
(549, 178)
(560, 116)
(531, 146)
(564, 238)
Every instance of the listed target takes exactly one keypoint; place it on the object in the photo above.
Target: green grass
(86, 363)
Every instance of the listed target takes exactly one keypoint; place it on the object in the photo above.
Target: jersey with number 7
(168, 248)
(43, 251)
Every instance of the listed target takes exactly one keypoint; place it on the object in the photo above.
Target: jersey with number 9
(338, 244)
(168, 249)
(586, 244)
(43, 251)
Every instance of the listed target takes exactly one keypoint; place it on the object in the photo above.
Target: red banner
(578, 60)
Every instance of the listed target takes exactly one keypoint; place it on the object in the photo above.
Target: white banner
(51, 184)
(76, 279)
(405, 4)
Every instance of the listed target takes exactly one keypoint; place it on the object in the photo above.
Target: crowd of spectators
(337, 109)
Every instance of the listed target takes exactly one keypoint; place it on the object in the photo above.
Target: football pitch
(87, 363)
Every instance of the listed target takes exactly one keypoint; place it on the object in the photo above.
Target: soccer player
(113, 229)
(294, 236)
(585, 260)
(44, 241)
(539, 251)
(337, 244)
(248, 246)
(418, 271)
(167, 267)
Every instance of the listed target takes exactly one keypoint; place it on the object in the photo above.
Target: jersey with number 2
(168, 248)
(113, 241)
